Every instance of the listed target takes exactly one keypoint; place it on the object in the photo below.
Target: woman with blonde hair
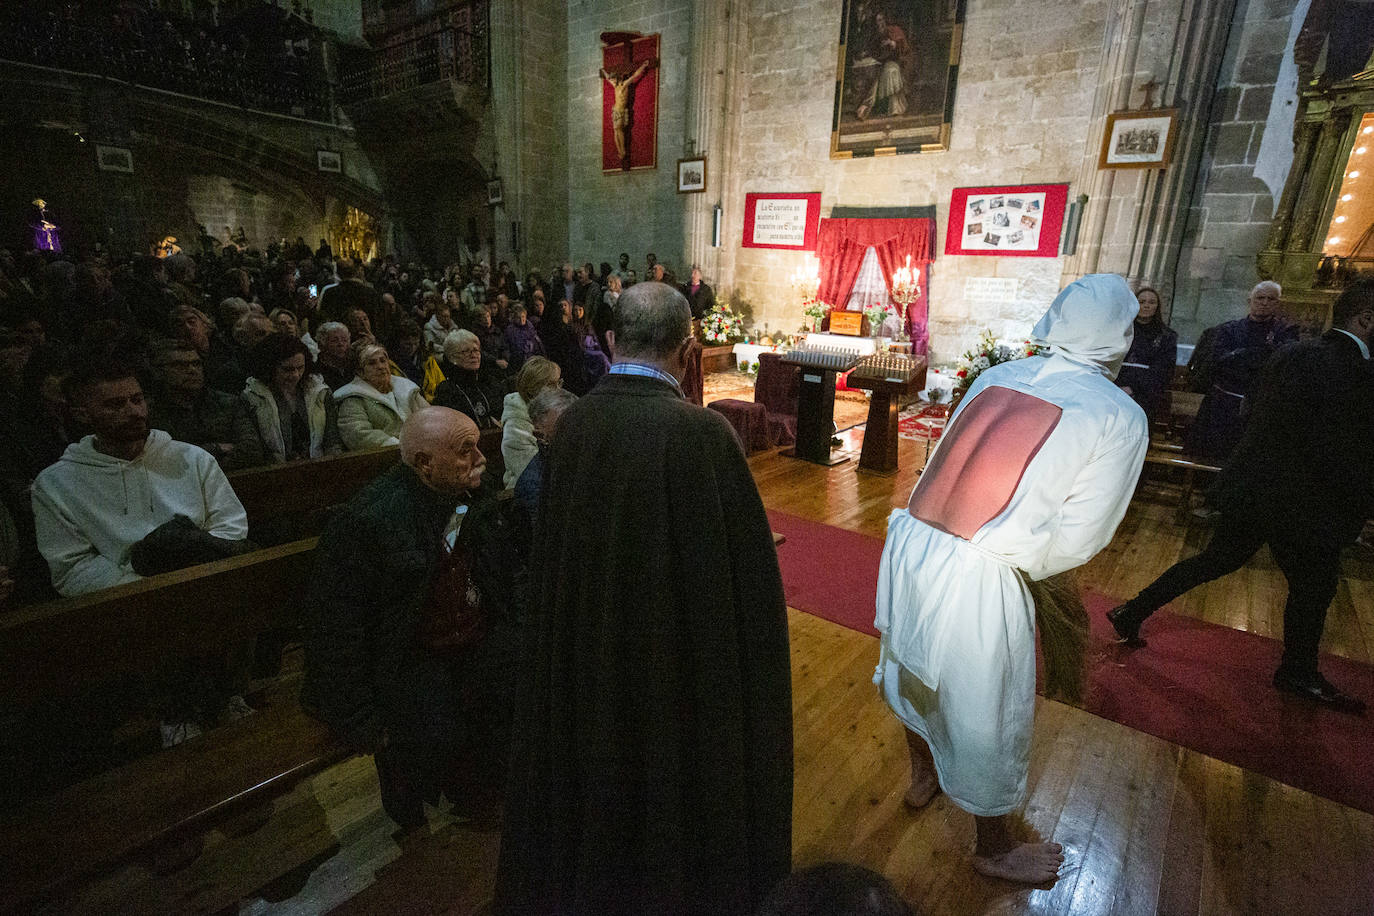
(375, 405)
(470, 386)
(518, 445)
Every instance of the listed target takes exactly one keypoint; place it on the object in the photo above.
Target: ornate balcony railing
(268, 78)
(447, 54)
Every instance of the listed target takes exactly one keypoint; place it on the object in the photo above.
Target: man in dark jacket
(188, 411)
(368, 674)
(1225, 364)
(699, 295)
(351, 292)
(653, 744)
(1300, 481)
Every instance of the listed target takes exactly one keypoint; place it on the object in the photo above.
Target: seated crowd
(127, 384)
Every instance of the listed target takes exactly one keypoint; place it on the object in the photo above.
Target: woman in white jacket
(291, 405)
(374, 406)
(517, 433)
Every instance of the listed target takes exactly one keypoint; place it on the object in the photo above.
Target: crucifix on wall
(629, 74)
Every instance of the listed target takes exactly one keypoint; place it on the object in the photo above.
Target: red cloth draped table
(750, 421)
(776, 389)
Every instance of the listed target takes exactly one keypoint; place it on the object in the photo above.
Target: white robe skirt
(957, 662)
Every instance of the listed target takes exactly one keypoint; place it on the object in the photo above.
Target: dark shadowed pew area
(66, 650)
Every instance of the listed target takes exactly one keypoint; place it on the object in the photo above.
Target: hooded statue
(1031, 478)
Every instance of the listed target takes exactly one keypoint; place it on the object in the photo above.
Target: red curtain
(841, 247)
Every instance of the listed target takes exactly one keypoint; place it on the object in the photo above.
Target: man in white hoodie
(1031, 478)
(111, 489)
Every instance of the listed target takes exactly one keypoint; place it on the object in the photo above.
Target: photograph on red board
(1011, 221)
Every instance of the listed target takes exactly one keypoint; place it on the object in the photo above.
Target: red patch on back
(974, 474)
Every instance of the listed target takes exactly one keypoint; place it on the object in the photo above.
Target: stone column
(1183, 42)
(708, 132)
(507, 95)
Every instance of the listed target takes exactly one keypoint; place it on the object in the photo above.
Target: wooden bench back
(302, 487)
(62, 647)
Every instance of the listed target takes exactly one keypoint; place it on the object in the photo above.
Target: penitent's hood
(1091, 322)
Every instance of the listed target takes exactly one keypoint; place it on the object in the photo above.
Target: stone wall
(194, 162)
(1021, 114)
(530, 118)
(342, 17)
(638, 211)
(1231, 217)
(753, 86)
(265, 215)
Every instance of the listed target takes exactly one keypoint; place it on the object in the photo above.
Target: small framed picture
(691, 176)
(495, 192)
(114, 159)
(328, 160)
(1138, 139)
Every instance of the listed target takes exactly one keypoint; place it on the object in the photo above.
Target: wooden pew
(300, 487)
(1167, 455)
(64, 647)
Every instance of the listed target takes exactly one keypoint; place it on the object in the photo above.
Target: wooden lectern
(816, 400)
(888, 378)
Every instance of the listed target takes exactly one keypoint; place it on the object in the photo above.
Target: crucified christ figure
(620, 110)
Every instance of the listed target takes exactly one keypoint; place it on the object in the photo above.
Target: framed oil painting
(895, 76)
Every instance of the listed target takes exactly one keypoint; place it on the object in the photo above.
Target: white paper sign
(993, 290)
(1003, 222)
(780, 222)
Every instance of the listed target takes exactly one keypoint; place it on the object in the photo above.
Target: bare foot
(922, 790)
(1024, 863)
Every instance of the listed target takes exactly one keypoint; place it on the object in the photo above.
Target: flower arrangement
(876, 315)
(750, 369)
(988, 353)
(815, 310)
(722, 326)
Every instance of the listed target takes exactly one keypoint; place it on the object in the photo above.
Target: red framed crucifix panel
(629, 101)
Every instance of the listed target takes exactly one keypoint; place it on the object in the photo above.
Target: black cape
(652, 767)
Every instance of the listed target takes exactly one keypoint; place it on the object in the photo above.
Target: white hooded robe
(957, 661)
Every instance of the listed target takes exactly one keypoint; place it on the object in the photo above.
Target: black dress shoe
(1318, 689)
(1127, 625)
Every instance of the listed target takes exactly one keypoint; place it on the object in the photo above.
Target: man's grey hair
(651, 321)
(1267, 284)
(455, 341)
(550, 403)
(329, 327)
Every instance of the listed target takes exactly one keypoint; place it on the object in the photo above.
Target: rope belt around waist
(967, 543)
(1135, 365)
(1231, 393)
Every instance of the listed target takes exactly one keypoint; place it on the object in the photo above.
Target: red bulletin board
(1013, 221)
(779, 221)
(621, 54)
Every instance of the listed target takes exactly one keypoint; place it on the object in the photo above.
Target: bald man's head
(652, 322)
(440, 445)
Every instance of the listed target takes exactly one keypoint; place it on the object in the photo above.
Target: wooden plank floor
(1149, 827)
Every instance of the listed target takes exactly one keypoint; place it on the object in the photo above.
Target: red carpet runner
(1196, 684)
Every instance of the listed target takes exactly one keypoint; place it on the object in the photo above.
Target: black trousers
(1309, 559)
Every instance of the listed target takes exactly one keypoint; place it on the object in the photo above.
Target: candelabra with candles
(906, 287)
